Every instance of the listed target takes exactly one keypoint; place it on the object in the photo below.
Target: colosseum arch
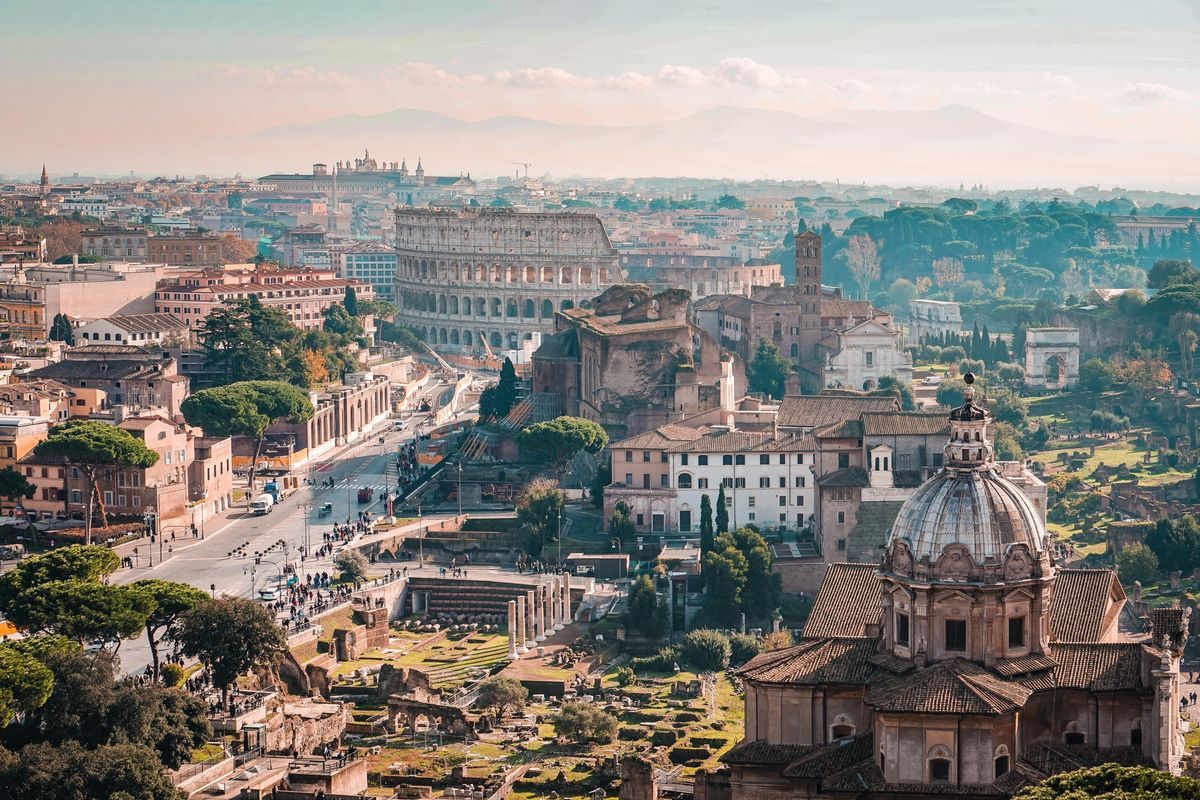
(514, 275)
(566, 304)
(531, 274)
(495, 339)
(567, 275)
(497, 276)
(480, 307)
(497, 307)
(441, 304)
(514, 340)
(442, 338)
(466, 338)
(529, 311)
(585, 275)
(453, 304)
(510, 308)
(466, 306)
(547, 274)
(454, 336)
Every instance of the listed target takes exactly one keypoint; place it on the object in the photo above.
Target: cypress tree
(722, 511)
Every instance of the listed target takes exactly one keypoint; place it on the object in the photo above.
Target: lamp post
(307, 509)
(460, 488)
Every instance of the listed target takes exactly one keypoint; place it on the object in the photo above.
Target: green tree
(725, 571)
(230, 636)
(620, 524)
(706, 525)
(340, 322)
(85, 611)
(601, 479)
(706, 650)
(722, 511)
(538, 510)
(351, 301)
(73, 772)
(763, 588)
(25, 683)
(768, 370)
(1096, 375)
(904, 392)
(900, 294)
(1005, 443)
(497, 400)
(1136, 562)
(502, 694)
(352, 564)
(646, 615)
(559, 439)
(15, 486)
(90, 445)
(743, 647)
(171, 601)
(1113, 782)
(61, 330)
(626, 203)
(584, 724)
(731, 202)
(247, 408)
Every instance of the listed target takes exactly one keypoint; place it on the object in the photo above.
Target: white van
(262, 504)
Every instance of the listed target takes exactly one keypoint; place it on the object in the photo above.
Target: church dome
(968, 503)
(978, 509)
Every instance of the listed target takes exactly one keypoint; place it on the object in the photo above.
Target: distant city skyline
(1104, 91)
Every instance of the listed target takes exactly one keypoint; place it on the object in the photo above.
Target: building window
(752, 501)
(629, 479)
(764, 483)
(841, 545)
(783, 499)
(629, 457)
(752, 516)
(76, 497)
(641, 520)
(1074, 736)
(799, 499)
(701, 460)
(870, 358)
(841, 518)
(1016, 632)
(727, 460)
(646, 480)
(739, 459)
(841, 728)
(664, 481)
(739, 483)
(939, 770)
(685, 520)
(902, 629)
(685, 480)
(843, 460)
(799, 481)
(645, 456)
(782, 459)
(1001, 761)
(764, 459)
(956, 635)
(702, 483)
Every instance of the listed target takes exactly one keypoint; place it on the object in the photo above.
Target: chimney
(727, 390)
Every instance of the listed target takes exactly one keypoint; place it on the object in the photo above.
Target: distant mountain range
(949, 144)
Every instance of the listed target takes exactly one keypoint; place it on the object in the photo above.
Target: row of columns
(541, 611)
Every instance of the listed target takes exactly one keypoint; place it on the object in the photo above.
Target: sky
(174, 86)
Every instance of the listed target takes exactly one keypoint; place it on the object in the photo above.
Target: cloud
(629, 82)
(852, 87)
(421, 73)
(1149, 94)
(751, 74)
(1058, 83)
(540, 78)
(676, 75)
(286, 77)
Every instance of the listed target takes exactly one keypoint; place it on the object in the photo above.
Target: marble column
(521, 646)
(547, 625)
(539, 608)
(566, 598)
(530, 628)
(512, 629)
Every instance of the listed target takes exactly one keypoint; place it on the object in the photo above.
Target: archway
(1056, 371)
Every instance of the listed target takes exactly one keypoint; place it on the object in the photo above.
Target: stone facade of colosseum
(494, 274)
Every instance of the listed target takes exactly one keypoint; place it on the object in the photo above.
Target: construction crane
(524, 164)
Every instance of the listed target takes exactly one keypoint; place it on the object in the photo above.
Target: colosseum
(465, 277)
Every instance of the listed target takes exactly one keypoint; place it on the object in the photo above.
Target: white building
(373, 263)
(866, 352)
(164, 330)
(932, 318)
(88, 205)
(768, 479)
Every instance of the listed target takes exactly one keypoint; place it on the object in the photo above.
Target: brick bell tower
(808, 279)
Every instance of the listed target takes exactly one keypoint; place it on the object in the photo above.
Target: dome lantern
(969, 447)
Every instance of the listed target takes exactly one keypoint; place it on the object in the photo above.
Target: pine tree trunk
(258, 443)
(153, 652)
(91, 473)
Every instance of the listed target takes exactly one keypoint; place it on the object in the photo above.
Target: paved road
(206, 564)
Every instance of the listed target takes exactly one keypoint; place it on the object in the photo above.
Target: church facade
(967, 662)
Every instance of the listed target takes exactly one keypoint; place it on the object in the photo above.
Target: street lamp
(307, 508)
(212, 587)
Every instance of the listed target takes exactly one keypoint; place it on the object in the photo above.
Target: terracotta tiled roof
(905, 423)
(662, 436)
(833, 757)
(846, 429)
(1168, 625)
(757, 751)
(948, 687)
(847, 602)
(1035, 662)
(1099, 667)
(818, 410)
(850, 476)
(814, 662)
(1081, 599)
(722, 441)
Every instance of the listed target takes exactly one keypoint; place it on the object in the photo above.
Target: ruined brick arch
(446, 718)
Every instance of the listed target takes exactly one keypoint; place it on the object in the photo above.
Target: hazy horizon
(1077, 94)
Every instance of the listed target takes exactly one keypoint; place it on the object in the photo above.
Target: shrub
(952, 354)
(687, 716)
(706, 650)
(777, 640)
(624, 676)
(681, 755)
(663, 736)
(631, 734)
(172, 674)
(1112, 782)
(742, 648)
(352, 563)
(502, 694)
(1137, 562)
(583, 724)
(665, 660)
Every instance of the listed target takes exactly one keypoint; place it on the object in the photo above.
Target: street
(207, 564)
